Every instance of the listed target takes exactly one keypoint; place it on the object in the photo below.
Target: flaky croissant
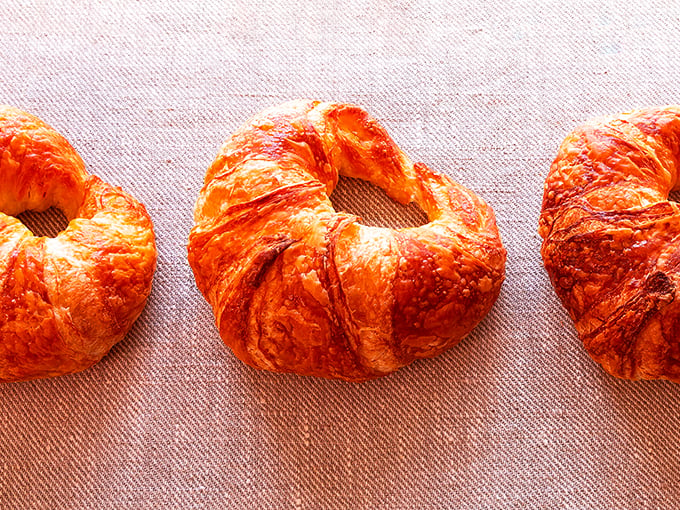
(64, 301)
(612, 240)
(297, 287)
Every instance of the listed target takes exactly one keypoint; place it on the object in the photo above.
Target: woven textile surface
(516, 416)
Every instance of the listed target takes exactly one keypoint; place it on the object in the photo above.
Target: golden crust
(64, 301)
(610, 240)
(298, 287)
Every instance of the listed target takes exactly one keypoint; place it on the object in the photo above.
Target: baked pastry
(611, 240)
(297, 287)
(64, 301)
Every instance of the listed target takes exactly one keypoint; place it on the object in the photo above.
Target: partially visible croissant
(612, 240)
(64, 301)
(298, 287)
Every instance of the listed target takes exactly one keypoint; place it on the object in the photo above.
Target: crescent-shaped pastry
(611, 240)
(297, 287)
(64, 301)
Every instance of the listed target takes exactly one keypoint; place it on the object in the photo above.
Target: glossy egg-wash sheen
(64, 301)
(611, 240)
(297, 287)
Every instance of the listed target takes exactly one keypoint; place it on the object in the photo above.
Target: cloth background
(516, 416)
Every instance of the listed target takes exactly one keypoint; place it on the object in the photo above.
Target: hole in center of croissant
(48, 223)
(373, 206)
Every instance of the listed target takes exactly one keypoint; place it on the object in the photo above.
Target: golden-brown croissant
(298, 287)
(64, 301)
(611, 240)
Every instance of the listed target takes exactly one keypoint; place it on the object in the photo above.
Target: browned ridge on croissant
(297, 287)
(64, 301)
(611, 240)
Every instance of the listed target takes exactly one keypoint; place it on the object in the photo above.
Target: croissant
(297, 287)
(64, 301)
(611, 240)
